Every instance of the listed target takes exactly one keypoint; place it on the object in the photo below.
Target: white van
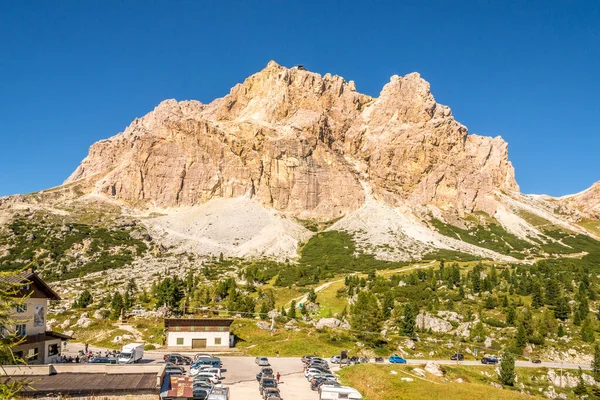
(342, 392)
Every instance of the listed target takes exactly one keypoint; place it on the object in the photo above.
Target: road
(156, 356)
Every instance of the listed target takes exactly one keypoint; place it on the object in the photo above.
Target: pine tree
(587, 331)
(562, 309)
(521, 338)
(116, 306)
(85, 299)
(581, 388)
(507, 373)
(264, 310)
(490, 303)
(537, 296)
(511, 315)
(388, 305)
(478, 332)
(312, 296)
(407, 325)
(292, 312)
(561, 331)
(366, 317)
(596, 362)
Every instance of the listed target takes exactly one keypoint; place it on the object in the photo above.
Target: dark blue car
(397, 360)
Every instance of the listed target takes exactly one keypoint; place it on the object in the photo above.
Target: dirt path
(136, 334)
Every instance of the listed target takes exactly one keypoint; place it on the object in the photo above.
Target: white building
(198, 333)
(38, 346)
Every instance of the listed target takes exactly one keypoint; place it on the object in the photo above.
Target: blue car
(397, 360)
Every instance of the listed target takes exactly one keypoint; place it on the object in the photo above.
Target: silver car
(263, 362)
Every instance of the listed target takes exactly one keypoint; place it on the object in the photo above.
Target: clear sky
(75, 72)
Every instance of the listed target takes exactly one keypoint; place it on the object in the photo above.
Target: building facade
(198, 333)
(37, 345)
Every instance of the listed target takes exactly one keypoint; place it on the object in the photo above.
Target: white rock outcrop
(427, 322)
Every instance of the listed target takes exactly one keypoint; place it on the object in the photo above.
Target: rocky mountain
(302, 143)
(289, 152)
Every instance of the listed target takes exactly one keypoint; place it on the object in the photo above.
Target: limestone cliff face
(302, 143)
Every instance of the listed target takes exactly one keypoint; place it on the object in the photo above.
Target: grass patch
(254, 341)
(491, 236)
(376, 382)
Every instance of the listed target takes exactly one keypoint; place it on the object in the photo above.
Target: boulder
(488, 342)
(406, 379)
(496, 385)
(329, 323)
(567, 379)
(291, 325)
(434, 368)
(263, 325)
(427, 322)
(450, 316)
(409, 344)
(464, 329)
(418, 371)
(66, 323)
(117, 339)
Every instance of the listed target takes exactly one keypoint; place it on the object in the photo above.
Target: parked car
(378, 359)
(201, 355)
(264, 373)
(489, 360)
(178, 359)
(457, 356)
(266, 383)
(397, 360)
(174, 371)
(305, 359)
(103, 360)
(263, 362)
(335, 359)
(270, 392)
(536, 361)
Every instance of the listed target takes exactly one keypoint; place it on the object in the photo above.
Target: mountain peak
(303, 143)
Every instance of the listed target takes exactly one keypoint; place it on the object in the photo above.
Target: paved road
(154, 356)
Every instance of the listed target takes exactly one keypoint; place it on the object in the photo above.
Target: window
(206, 329)
(191, 329)
(52, 350)
(179, 341)
(176, 329)
(220, 329)
(21, 308)
(21, 330)
(32, 354)
(217, 340)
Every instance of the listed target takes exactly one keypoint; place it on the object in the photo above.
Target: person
(278, 376)
(277, 352)
(86, 348)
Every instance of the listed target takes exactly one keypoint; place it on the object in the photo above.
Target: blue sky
(74, 72)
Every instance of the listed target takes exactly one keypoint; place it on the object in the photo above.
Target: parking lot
(241, 378)
(239, 374)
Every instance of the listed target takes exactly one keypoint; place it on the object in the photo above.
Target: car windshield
(269, 383)
(267, 371)
(125, 355)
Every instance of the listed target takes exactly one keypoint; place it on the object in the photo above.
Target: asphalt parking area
(240, 377)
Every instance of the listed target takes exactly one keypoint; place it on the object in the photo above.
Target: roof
(44, 337)
(197, 322)
(87, 383)
(29, 276)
